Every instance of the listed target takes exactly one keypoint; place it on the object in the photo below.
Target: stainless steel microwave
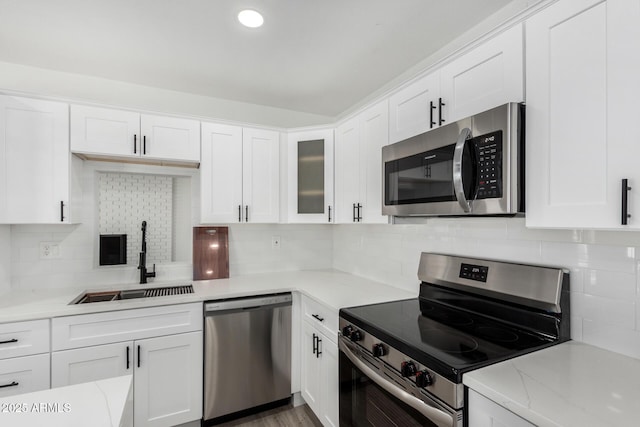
(474, 166)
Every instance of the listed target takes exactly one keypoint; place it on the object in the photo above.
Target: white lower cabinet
(319, 379)
(486, 413)
(24, 374)
(166, 368)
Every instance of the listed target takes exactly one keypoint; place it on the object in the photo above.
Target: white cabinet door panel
(330, 383)
(170, 138)
(491, 74)
(347, 170)
(168, 380)
(94, 363)
(374, 134)
(410, 111)
(105, 131)
(311, 375)
(261, 175)
(34, 157)
(221, 173)
(24, 374)
(582, 69)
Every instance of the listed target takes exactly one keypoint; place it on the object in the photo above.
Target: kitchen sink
(103, 296)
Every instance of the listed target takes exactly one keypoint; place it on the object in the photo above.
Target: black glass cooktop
(447, 340)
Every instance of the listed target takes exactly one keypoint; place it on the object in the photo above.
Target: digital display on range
(474, 272)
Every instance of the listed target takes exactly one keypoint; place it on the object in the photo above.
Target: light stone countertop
(570, 384)
(332, 288)
(106, 403)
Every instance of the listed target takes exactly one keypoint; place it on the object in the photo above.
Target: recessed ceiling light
(250, 18)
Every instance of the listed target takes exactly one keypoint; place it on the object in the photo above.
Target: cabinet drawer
(24, 338)
(24, 374)
(321, 317)
(125, 325)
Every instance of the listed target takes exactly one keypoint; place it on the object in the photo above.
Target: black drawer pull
(329, 213)
(61, 210)
(135, 144)
(12, 384)
(315, 345)
(239, 213)
(431, 108)
(625, 201)
(144, 144)
(317, 317)
(318, 351)
(9, 341)
(138, 356)
(440, 119)
(127, 357)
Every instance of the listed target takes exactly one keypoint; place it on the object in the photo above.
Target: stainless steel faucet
(142, 266)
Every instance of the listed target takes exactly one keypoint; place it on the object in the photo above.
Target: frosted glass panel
(311, 177)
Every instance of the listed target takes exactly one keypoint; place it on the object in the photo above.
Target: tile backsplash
(604, 266)
(125, 200)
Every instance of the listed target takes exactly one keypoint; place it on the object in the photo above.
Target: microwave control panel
(489, 155)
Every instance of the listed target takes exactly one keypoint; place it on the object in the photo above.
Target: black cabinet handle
(441, 104)
(354, 212)
(318, 351)
(329, 213)
(61, 210)
(359, 217)
(127, 357)
(246, 213)
(318, 318)
(9, 341)
(431, 108)
(625, 201)
(239, 213)
(144, 144)
(135, 144)
(138, 356)
(12, 384)
(315, 345)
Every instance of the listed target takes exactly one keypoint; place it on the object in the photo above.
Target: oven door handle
(458, 186)
(435, 415)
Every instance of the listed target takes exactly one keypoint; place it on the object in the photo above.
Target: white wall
(81, 88)
(605, 266)
(5, 258)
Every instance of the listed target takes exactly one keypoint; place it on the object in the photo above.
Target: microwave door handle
(435, 415)
(458, 187)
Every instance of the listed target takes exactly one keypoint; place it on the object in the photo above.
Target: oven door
(371, 398)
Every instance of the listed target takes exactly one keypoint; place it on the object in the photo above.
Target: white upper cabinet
(415, 109)
(582, 91)
(491, 74)
(103, 132)
(358, 166)
(239, 173)
(310, 186)
(39, 177)
(261, 175)
(170, 138)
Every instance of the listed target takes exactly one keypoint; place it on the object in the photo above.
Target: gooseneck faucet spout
(142, 265)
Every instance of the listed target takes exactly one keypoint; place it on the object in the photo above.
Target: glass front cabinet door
(310, 179)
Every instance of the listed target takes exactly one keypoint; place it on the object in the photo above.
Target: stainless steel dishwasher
(247, 353)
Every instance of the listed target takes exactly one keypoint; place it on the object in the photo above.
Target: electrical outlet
(275, 242)
(49, 250)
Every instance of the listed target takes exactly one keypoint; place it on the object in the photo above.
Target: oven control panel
(474, 272)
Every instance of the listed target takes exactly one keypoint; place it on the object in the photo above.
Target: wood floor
(284, 416)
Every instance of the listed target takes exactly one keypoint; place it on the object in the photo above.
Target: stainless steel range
(402, 362)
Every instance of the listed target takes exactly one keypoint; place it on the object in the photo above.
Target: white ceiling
(316, 56)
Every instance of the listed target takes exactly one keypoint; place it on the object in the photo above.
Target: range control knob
(423, 379)
(346, 331)
(408, 369)
(379, 350)
(356, 335)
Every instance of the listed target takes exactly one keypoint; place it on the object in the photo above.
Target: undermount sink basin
(103, 296)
